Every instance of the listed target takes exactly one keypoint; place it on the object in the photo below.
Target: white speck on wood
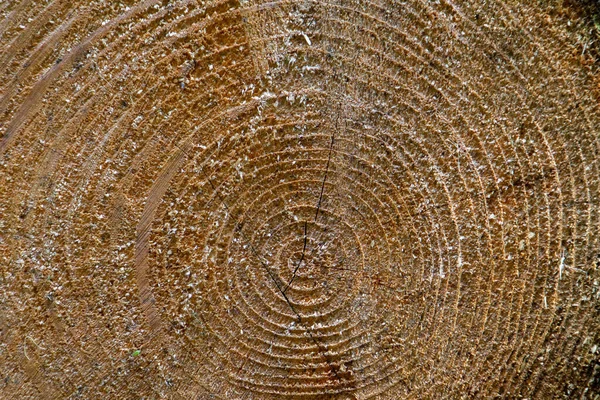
(561, 266)
(307, 39)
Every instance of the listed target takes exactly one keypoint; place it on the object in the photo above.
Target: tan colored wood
(299, 199)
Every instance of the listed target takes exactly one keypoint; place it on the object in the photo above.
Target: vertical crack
(318, 205)
(301, 257)
(326, 172)
(321, 349)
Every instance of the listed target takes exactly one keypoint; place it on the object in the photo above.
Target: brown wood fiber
(340, 199)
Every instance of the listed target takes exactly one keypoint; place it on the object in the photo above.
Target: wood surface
(338, 199)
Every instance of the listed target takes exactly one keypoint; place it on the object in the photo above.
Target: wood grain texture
(338, 199)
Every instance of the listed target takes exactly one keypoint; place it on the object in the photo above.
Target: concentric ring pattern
(298, 200)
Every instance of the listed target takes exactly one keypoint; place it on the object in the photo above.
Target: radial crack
(325, 176)
(318, 207)
(321, 349)
(301, 257)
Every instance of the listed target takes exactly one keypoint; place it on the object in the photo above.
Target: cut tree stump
(347, 199)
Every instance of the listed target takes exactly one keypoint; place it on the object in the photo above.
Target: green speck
(136, 353)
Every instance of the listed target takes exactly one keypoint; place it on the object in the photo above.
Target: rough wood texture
(299, 200)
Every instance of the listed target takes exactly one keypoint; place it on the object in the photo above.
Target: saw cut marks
(299, 200)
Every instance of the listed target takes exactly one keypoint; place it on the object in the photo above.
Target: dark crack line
(326, 172)
(301, 257)
(322, 350)
(318, 206)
